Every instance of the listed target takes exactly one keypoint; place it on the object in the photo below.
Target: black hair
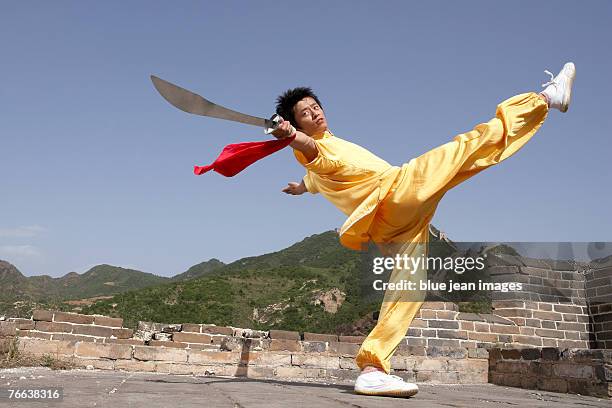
(286, 102)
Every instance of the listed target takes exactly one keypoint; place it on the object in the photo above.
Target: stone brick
(531, 353)
(419, 323)
(573, 370)
(212, 329)
(173, 344)
(135, 365)
(40, 346)
(108, 321)
(314, 346)
(552, 384)
(398, 363)
(43, 315)
(412, 341)
(432, 364)
(149, 353)
(548, 324)
(98, 331)
(204, 347)
(351, 339)
(527, 331)
(52, 327)
(511, 354)
(572, 343)
(34, 334)
(533, 323)
(213, 357)
(290, 372)
(545, 306)
(482, 327)
(428, 314)
(218, 339)
(77, 337)
(466, 326)
(265, 359)
(174, 368)
(499, 328)
(446, 314)
(568, 309)
(8, 328)
(569, 317)
(283, 334)
(349, 363)
(572, 326)
(429, 333)
(514, 312)
(444, 324)
(122, 333)
(443, 343)
(285, 345)
(549, 333)
(408, 350)
(512, 366)
(547, 315)
(469, 316)
(550, 353)
(73, 318)
(449, 352)
(489, 337)
(192, 338)
(315, 361)
(100, 364)
(191, 327)
(112, 351)
(319, 337)
(534, 341)
(452, 334)
(343, 349)
(135, 342)
(23, 324)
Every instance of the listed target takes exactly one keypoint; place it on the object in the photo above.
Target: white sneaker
(379, 383)
(559, 89)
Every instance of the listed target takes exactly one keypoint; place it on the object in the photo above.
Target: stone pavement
(118, 389)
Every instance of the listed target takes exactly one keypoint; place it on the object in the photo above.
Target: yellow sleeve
(320, 164)
(310, 185)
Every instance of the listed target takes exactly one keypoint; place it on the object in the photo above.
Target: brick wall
(204, 349)
(586, 372)
(599, 293)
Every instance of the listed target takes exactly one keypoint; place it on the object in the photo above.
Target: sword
(193, 103)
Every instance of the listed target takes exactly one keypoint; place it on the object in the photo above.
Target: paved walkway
(116, 389)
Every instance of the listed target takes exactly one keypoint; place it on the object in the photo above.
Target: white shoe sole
(388, 393)
(568, 95)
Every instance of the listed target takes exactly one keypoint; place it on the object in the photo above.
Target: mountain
(311, 285)
(98, 281)
(199, 270)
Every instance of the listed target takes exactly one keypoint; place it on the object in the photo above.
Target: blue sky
(96, 168)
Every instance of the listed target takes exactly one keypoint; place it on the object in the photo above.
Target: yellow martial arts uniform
(393, 206)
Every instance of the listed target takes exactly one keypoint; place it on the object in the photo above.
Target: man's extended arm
(302, 141)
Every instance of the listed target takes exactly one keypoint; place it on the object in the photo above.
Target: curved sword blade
(193, 103)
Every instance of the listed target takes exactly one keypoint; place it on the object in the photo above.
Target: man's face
(309, 116)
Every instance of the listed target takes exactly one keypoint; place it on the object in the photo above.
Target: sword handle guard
(275, 120)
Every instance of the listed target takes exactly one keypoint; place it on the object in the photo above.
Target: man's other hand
(295, 188)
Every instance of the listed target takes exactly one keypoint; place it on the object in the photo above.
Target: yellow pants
(402, 220)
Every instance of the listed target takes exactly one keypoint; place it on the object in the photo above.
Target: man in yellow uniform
(392, 206)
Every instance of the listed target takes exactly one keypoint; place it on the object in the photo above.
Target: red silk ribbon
(236, 157)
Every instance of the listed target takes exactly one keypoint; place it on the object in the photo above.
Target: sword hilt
(273, 123)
